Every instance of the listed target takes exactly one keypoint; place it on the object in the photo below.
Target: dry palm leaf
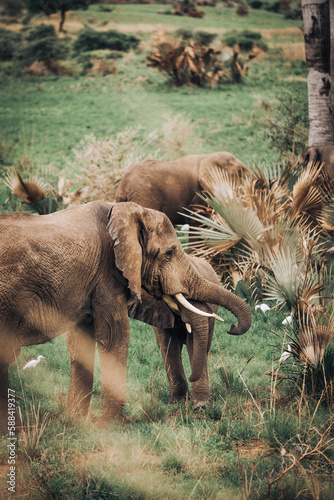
(30, 191)
(313, 334)
(311, 200)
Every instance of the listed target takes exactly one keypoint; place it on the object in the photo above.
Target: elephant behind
(322, 154)
(170, 187)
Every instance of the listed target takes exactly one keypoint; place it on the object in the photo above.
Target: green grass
(215, 18)
(248, 435)
(172, 452)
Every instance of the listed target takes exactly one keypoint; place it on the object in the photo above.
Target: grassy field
(252, 434)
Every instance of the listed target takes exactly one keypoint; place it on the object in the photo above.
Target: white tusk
(188, 327)
(180, 298)
(171, 302)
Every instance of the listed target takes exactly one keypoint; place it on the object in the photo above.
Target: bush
(288, 123)
(272, 6)
(201, 36)
(12, 7)
(9, 44)
(205, 38)
(188, 64)
(186, 34)
(245, 39)
(90, 39)
(291, 9)
(242, 10)
(42, 44)
(256, 4)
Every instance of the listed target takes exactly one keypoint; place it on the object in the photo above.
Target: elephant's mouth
(173, 301)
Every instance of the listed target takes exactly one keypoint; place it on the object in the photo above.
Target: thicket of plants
(89, 39)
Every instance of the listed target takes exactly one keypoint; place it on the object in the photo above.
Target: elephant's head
(309, 155)
(150, 257)
(222, 161)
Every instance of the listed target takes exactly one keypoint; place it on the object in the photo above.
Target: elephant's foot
(200, 403)
(179, 396)
(105, 421)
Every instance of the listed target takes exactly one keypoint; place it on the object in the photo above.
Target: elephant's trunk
(205, 291)
(197, 339)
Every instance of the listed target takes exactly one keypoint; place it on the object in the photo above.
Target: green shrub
(12, 7)
(186, 34)
(173, 463)
(9, 44)
(245, 39)
(202, 36)
(288, 122)
(291, 9)
(272, 6)
(42, 44)
(242, 10)
(205, 38)
(90, 39)
(256, 4)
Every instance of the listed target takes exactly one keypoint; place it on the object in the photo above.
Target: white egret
(264, 308)
(33, 362)
(287, 320)
(285, 354)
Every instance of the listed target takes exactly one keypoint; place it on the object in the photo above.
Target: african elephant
(172, 186)
(323, 154)
(74, 270)
(171, 339)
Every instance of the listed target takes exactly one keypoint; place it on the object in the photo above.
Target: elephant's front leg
(112, 334)
(170, 344)
(81, 344)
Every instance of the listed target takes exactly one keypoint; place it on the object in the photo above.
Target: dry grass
(293, 51)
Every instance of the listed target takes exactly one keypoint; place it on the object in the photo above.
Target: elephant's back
(158, 185)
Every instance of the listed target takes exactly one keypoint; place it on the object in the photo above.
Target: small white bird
(285, 354)
(33, 362)
(185, 228)
(287, 320)
(264, 308)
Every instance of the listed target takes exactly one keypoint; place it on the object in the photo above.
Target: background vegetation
(75, 121)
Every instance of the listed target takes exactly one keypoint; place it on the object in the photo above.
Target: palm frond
(244, 221)
(311, 198)
(313, 334)
(31, 191)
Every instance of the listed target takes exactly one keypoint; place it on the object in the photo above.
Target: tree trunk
(62, 19)
(317, 35)
(331, 11)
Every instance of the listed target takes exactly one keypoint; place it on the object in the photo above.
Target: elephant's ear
(151, 311)
(125, 226)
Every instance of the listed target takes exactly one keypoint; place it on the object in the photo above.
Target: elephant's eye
(169, 254)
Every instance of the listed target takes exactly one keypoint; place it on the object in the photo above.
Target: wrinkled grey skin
(322, 154)
(172, 186)
(171, 340)
(74, 271)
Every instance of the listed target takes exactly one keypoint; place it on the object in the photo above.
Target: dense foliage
(89, 39)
